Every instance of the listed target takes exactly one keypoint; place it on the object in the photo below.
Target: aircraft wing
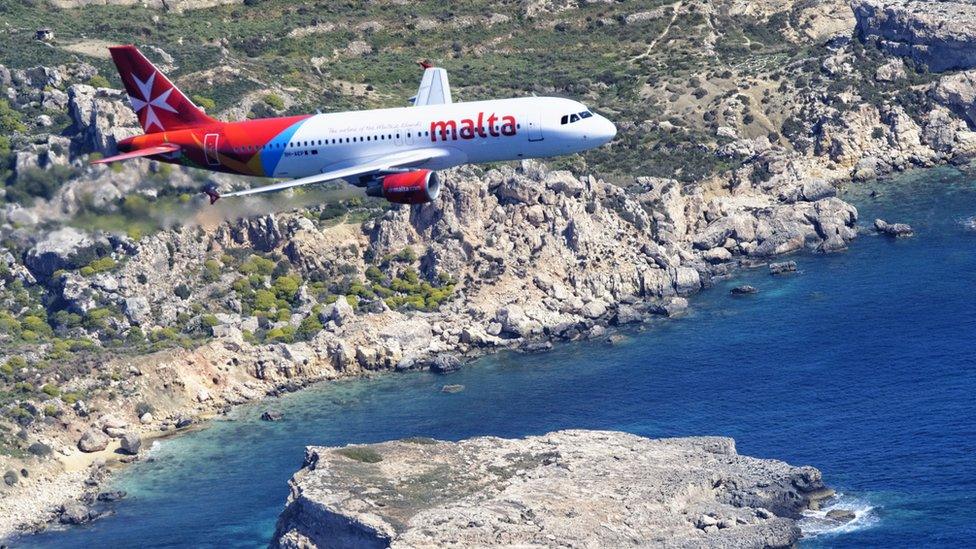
(434, 88)
(393, 162)
(150, 151)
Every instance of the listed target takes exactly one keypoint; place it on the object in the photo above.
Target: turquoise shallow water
(863, 365)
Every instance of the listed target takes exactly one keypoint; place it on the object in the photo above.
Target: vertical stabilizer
(159, 104)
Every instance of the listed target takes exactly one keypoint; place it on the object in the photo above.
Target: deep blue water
(863, 365)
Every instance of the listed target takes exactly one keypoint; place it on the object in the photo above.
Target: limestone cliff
(940, 35)
(566, 488)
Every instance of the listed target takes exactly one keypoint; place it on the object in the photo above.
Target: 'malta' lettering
(469, 128)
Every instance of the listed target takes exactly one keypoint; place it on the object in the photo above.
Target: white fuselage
(479, 131)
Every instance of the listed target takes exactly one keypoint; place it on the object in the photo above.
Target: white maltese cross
(148, 102)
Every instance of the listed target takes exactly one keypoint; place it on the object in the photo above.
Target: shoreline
(73, 476)
(107, 462)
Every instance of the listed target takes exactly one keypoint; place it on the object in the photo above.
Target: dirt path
(667, 29)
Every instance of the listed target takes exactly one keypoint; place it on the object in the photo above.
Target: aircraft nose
(607, 130)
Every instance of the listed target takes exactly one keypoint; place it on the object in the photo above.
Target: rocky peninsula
(567, 488)
(111, 335)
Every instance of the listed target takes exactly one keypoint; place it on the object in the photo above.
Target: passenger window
(564, 119)
(574, 118)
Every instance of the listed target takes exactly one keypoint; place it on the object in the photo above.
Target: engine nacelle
(413, 187)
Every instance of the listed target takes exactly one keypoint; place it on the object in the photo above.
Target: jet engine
(413, 187)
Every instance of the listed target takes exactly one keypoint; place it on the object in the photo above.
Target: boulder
(782, 267)
(445, 363)
(896, 230)
(93, 441)
(137, 310)
(817, 189)
(75, 513)
(341, 311)
(718, 255)
(841, 515)
(65, 248)
(745, 289)
(108, 497)
(130, 443)
(272, 415)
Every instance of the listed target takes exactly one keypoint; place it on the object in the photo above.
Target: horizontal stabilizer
(150, 151)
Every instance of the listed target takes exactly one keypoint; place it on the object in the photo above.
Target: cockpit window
(575, 117)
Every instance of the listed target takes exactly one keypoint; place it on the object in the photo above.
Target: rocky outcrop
(567, 488)
(66, 248)
(897, 230)
(940, 35)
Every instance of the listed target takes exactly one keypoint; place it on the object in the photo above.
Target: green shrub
(274, 101)
(164, 334)
(264, 300)
(360, 453)
(286, 287)
(211, 270)
(205, 102)
(209, 321)
(406, 255)
(374, 274)
(37, 325)
(283, 334)
(97, 318)
(100, 265)
(9, 119)
(9, 324)
(310, 326)
(99, 81)
(257, 265)
(50, 390)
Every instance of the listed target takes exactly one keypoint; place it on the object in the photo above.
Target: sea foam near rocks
(816, 523)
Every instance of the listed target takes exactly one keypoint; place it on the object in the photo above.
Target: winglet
(426, 64)
(211, 192)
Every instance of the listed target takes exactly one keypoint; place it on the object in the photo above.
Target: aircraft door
(210, 142)
(534, 123)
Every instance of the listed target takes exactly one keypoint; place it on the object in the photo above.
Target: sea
(863, 364)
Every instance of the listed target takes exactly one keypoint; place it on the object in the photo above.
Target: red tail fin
(159, 104)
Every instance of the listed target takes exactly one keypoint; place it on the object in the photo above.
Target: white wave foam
(816, 523)
(969, 223)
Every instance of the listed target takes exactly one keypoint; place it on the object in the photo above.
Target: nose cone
(606, 131)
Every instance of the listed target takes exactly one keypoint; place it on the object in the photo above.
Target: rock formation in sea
(566, 488)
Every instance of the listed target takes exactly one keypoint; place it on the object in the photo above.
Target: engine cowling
(413, 187)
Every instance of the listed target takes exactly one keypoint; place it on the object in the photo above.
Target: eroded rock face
(939, 34)
(567, 488)
(66, 248)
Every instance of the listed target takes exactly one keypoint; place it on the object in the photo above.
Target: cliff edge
(566, 488)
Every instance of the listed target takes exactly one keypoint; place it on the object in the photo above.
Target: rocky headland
(110, 337)
(566, 488)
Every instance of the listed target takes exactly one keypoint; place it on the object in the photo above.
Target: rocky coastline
(532, 256)
(566, 488)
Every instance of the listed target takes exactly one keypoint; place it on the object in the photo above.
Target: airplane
(394, 153)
